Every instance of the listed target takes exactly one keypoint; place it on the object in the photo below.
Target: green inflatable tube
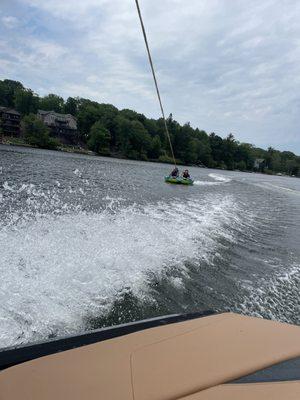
(180, 181)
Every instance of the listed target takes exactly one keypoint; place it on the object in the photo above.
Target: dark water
(88, 241)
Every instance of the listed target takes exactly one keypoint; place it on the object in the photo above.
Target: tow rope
(154, 78)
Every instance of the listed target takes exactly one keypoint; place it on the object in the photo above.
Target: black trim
(16, 355)
(285, 371)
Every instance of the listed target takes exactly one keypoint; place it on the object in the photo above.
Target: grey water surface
(89, 241)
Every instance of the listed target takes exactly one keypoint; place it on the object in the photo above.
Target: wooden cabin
(10, 121)
(62, 126)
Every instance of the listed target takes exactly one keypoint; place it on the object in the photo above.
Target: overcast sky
(224, 65)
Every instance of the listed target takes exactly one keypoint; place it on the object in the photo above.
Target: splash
(57, 270)
(77, 173)
(220, 178)
(206, 183)
(268, 185)
(274, 297)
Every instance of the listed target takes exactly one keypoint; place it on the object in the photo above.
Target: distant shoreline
(66, 149)
(83, 126)
(71, 150)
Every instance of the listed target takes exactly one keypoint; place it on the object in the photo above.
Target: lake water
(90, 241)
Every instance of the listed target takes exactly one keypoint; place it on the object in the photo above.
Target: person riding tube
(175, 173)
(186, 174)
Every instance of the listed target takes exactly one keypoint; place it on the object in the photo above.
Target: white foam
(269, 185)
(206, 183)
(176, 282)
(28, 201)
(7, 187)
(56, 271)
(77, 172)
(220, 178)
(276, 296)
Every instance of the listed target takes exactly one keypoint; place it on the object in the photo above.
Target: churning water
(90, 241)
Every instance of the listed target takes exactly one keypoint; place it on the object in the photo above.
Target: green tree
(99, 139)
(151, 127)
(139, 140)
(181, 139)
(203, 149)
(36, 133)
(155, 148)
(229, 148)
(216, 144)
(241, 165)
(288, 162)
(273, 160)
(133, 140)
(245, 153)
(292, 167)
(88, 114)
(7, 92)
(204, 153)
(52, 102)
(190, 152)
(71, 106)
(131, 115)
(123, 126)
(1, 130)
(107, 114)
(26, 101)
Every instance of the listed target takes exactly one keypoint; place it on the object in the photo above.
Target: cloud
(9, 21)
(223, 66)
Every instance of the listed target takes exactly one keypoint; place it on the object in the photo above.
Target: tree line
(126, 133)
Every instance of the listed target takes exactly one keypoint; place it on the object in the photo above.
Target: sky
(226, 66)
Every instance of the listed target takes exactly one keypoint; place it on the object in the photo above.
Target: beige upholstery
(218, 352)
(253, 391)
(167, 362)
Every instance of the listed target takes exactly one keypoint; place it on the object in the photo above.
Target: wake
(58, 270)
(218, 180)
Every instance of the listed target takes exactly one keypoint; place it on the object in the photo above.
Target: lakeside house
(10, 121)
(62, 126)
(259, 164)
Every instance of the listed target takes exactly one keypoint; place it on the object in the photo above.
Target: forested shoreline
(125, 133)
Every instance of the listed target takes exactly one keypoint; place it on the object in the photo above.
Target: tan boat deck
(191, 360)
